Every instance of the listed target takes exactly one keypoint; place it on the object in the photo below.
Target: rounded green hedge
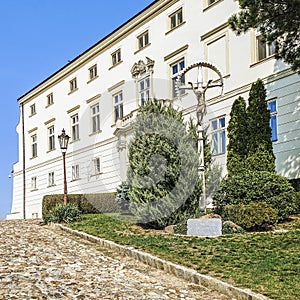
(257, 186)
(253, 216)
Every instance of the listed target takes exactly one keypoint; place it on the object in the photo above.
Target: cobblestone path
(37, 262)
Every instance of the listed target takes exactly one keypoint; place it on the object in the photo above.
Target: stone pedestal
(204, 227)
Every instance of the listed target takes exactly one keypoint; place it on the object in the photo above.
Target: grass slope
(267, 263)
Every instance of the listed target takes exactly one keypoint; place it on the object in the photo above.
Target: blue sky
(38, 37)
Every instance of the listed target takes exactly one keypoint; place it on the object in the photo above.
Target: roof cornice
(151, 11)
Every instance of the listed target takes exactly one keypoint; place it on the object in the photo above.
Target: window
(33, 183)
(144, 90)
(273, 120)
(118, 106)
(75, 128)
(175, 69)
(176, 19)
(51, 179)
(73, 85)
(49, 99)
(93, 72)
(116, 57)
(75, 172)
(143, 40)
(95, 115)
(218, 136)
(32, 109)
(264, 49)
(34, 146)
(97, 165)
(51, 138)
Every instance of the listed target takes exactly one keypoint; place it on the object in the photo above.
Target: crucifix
(199, 88)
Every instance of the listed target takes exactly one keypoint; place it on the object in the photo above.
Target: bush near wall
(62, 213)
(298, 202)
(86, 203)
(257, 186)
(252, 216)
(295, 184)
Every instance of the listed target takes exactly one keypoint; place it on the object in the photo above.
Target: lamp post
(63, 142)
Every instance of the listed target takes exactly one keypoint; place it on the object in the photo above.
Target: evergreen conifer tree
(163, 161)
(238, 137)
(260, 155)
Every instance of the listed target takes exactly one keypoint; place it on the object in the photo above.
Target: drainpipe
(24, 165)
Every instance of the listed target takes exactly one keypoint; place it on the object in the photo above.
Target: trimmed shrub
(122, 197)
(252, 216)
(257, 186)
(87, 204)
(260, 155)
(78, 200)
(237, 136)
(62, 213)
(104, 202)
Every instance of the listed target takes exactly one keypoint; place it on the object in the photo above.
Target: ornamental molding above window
(141, 67)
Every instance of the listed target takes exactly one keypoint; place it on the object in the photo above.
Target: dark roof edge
(100, 41)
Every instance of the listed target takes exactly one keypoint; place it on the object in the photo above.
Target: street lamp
(63, 142)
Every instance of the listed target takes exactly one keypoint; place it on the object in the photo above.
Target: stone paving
(39, 262)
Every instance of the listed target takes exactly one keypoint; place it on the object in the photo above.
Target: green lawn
(267, 263)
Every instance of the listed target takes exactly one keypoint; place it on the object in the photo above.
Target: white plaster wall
(198, 22)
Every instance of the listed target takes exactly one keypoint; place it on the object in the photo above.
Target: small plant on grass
(122, 197)
(253, 216)
(64, 214)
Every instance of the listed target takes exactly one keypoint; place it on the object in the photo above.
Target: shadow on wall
(290, 167)
(285, 87)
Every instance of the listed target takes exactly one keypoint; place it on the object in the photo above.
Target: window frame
(209, 3)
(51, 179)
(97, 163)
(177, 22)
(116, 57)
(268, 48)
(50, 100)
(75, 127)
(118, 106)
(75, 172)
(33, 183)
(273, 120)
(93, 72)
(143, 40)
(95, 116)
(220, 133)
(73, 85)
(145, 92)
(32, 109)
(180, 63)
(34, 152)
(51, 138)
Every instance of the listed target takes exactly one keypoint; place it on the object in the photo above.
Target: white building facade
(96, 96)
